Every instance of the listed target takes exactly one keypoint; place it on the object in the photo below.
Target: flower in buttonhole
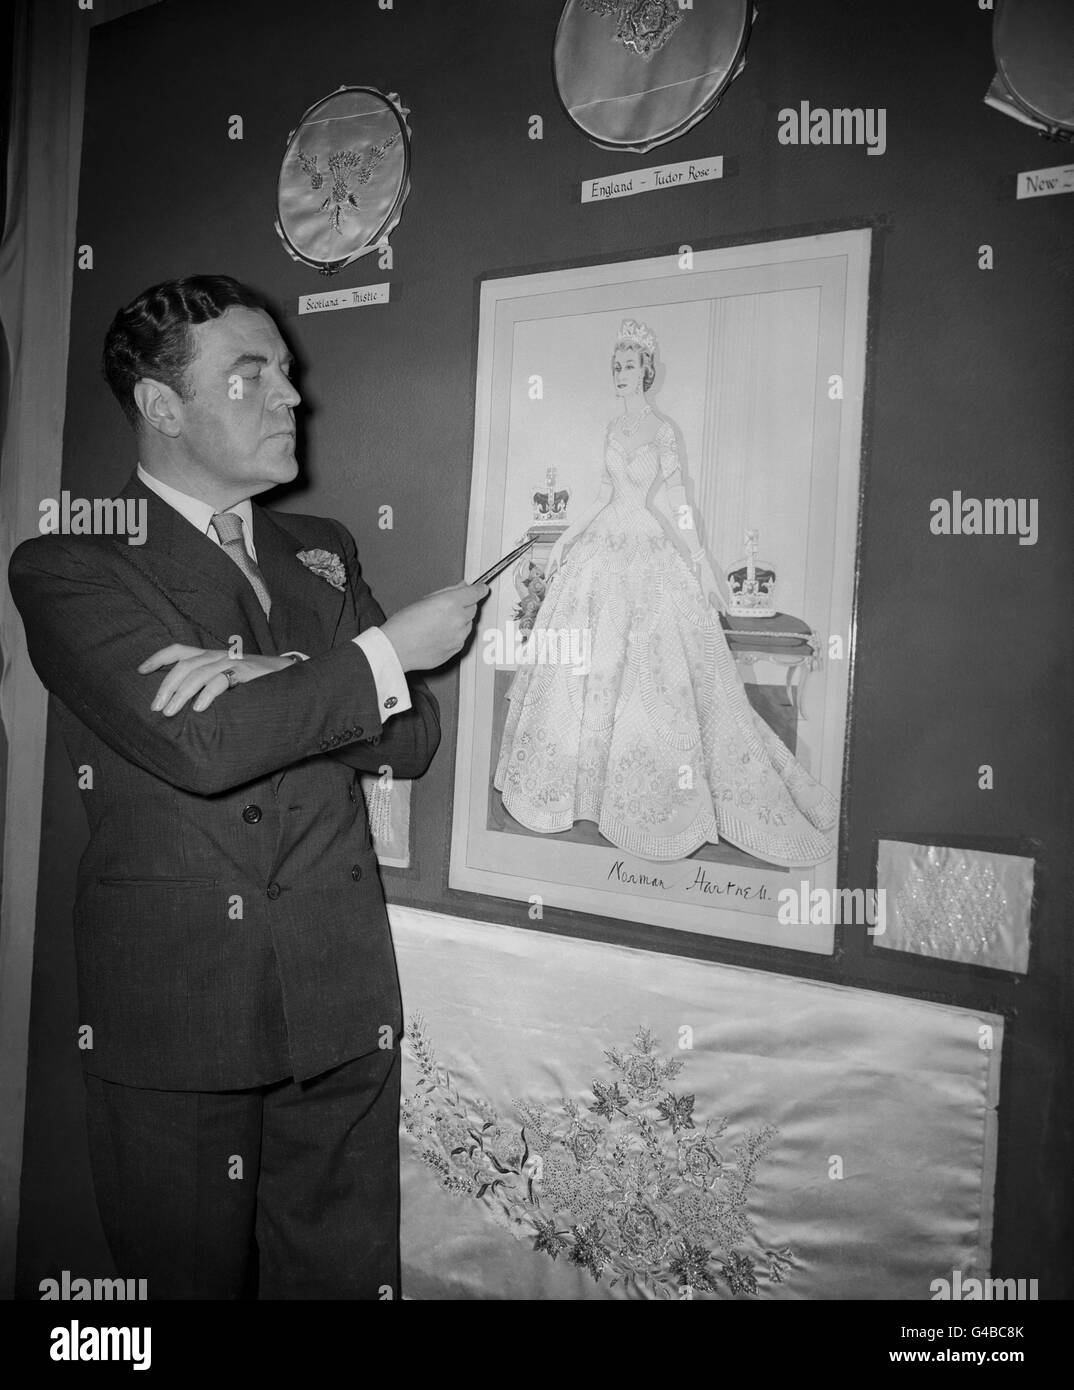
(326, 564)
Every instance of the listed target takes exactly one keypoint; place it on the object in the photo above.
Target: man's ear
(159, 406)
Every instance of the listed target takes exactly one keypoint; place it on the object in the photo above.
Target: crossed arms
(89, 630)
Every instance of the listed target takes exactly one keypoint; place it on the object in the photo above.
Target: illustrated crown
(637, 335)
(751, 583)
(550, 502)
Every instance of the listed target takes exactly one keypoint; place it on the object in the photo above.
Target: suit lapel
(196, 576)
(305, 608)
(199, 579)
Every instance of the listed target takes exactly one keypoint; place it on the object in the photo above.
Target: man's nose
(289, 395)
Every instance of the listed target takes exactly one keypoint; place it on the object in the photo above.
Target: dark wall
(962, 653)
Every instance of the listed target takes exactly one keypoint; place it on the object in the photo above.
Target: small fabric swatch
(956, 904)
(387, 804)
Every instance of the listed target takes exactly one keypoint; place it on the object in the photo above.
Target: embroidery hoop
(625, 101)
(1033, 44)
(310, 219)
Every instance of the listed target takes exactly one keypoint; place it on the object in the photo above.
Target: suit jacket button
(356, 872)
(251, 814)
(273, 890)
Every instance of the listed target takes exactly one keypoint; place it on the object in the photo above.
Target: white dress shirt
(393, 694)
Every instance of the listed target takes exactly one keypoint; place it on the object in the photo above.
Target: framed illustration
(652, 723)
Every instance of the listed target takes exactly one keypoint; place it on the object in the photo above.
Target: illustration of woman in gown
(657, 742)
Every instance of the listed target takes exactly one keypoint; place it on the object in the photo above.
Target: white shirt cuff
(393, 693)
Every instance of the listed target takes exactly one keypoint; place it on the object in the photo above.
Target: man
(220, 688)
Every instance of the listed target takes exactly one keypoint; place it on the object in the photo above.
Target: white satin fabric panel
(902, 1092)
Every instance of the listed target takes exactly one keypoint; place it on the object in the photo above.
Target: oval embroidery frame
(344, 178)
(1033, 44)
(632, 74)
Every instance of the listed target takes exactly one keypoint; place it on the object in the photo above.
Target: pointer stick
(502, 564)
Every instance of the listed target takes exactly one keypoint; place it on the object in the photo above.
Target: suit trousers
(289, 1190)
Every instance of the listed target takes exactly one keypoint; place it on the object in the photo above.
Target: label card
(654, 180)
(1039, 183)
(355, 298)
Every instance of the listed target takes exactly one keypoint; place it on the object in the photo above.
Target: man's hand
(431, 631)
(198, 672)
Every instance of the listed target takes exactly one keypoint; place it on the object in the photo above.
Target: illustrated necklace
(631, 429)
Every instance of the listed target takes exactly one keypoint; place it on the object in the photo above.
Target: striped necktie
(228, 527)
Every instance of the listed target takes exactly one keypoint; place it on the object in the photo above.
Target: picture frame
(761, 369)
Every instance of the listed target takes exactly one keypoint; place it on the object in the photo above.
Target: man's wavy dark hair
(150, 337)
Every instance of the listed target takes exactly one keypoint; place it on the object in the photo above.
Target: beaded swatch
(956, 904)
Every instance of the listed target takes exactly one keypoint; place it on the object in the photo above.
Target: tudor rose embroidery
(644, 26)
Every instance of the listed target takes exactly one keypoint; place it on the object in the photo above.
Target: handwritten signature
(701, 883)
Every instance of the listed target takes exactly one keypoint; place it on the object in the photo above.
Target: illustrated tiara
(631, 331)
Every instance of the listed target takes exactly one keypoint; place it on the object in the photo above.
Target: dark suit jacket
(230, 925)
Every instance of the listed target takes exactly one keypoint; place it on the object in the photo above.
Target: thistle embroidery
(326, 565)
(641, 25)
(625, 1182)
(344, 165)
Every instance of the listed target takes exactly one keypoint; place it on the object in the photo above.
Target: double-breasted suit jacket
(230, 925)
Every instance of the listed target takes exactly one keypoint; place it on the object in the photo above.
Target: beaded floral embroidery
(344, 165)
(644, 26)
(626, 1182)
(326, 564)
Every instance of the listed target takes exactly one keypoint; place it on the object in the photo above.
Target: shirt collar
(198, 513)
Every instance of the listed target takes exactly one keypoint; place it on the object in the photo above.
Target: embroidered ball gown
(657, 742)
